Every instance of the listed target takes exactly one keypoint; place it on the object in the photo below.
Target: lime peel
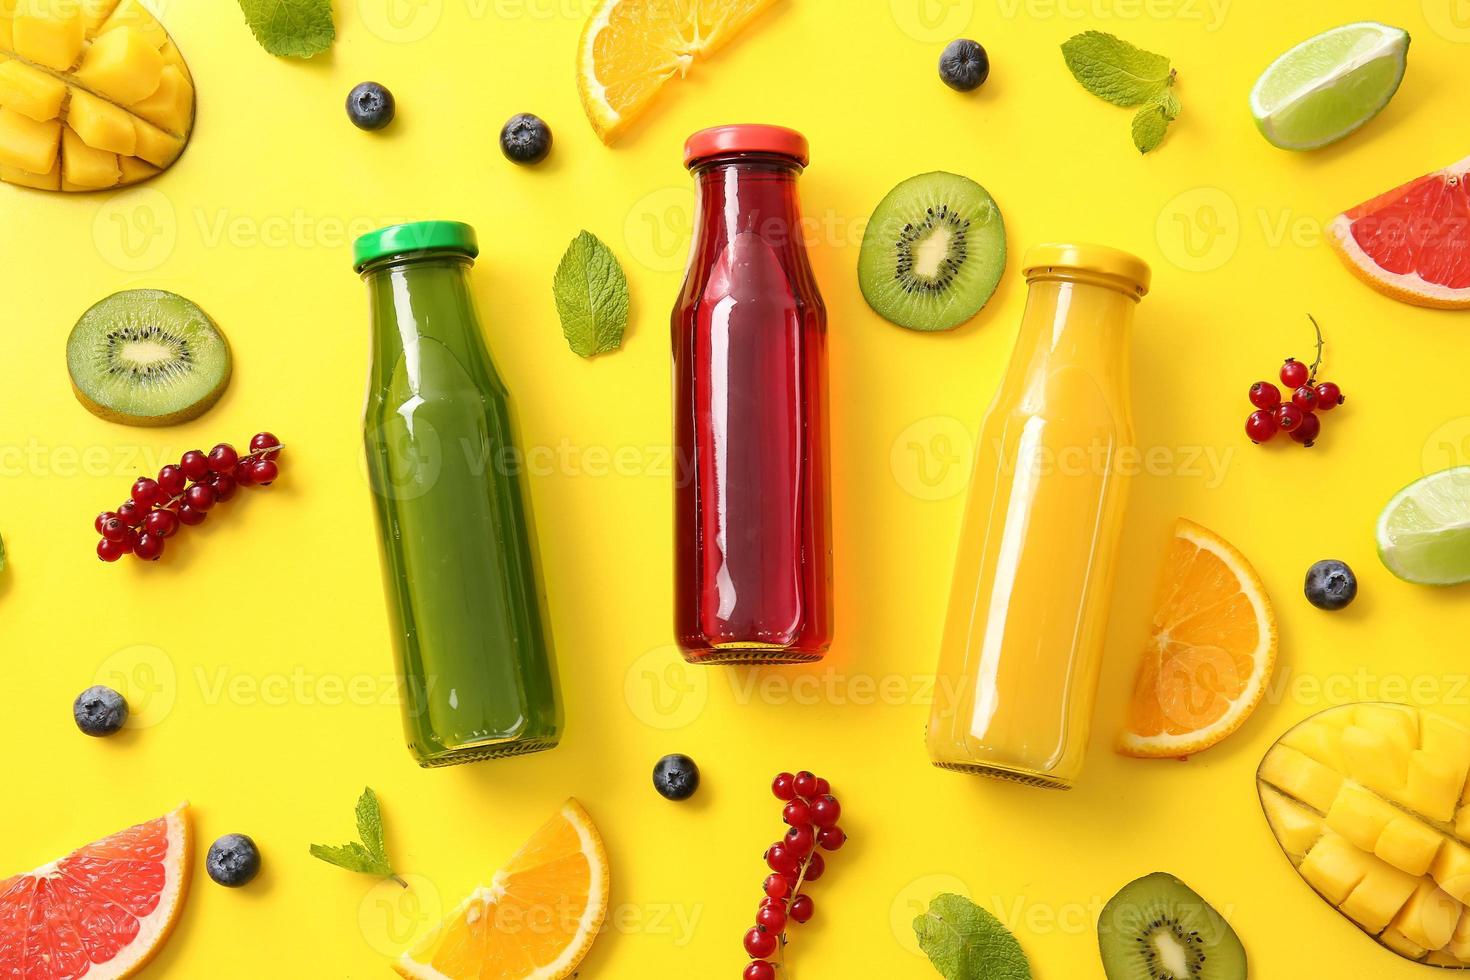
(1424, 531)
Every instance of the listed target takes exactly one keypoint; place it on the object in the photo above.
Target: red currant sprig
(1298, 417)
(183, 496)
(811, 813)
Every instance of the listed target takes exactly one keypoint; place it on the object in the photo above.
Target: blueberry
(233, 860)
(370, 106)
(1331, 585)
(676, 777)
(525, 139)
(100, 711)
(964, 65)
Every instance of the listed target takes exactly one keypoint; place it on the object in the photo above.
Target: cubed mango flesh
(1295, 826)
(171, 106)
(1379, 896)
(1409, 845)
(1335, 867)
(49, 33)
(1429, 917)
(86, 168)
(122, 66)
(1302, 778)
(131, 13)
(103, 125)
(30, 91)
(24, 178)
(1360, 816)
(1451, 870)
(154, 145)
(27, 144)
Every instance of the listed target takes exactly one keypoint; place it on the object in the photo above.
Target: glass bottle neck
(1071, 323)
(751, 193)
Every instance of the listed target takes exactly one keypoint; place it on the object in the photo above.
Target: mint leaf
(2, 555)
(591, 297)
(370, 857)
(1153, 120)
(1112, 69)
(291, 28)
(965, 942)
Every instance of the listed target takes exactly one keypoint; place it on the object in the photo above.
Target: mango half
(93, 94)
(1371, 804)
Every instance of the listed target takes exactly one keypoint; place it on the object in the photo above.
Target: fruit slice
(933, 252)
(1369, 803)
(1424, 532)
(1329, 85)
(147, 357)
(107, 71)
(631, 48)
(1210, 652)
(536, 919)
(1158, 926)
(102, 911)
(1413, 243)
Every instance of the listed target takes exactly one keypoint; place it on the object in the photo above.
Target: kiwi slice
(1157, 928)
(147, 357)
(933, 252)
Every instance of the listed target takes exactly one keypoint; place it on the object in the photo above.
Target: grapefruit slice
(1413, 242)
(102, 911)
(536, 919)
(1210, 652)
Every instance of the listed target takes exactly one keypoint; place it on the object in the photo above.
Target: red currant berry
(199, 496)
(111, 550)
(1261, 426)
(1308, 431)
(1329, 396)
(771, 918)
(149, 547)
(816, 867)
(132, 515)
(802, 908)
(831, 838)
(1305, 398)
(265, 441)
(190, 516)
(1265, 395)
(1288, 416)
(800, 840)
(797, 813)
(776, 887)
(781, 787)
(782, 861)
(113, 529)
(243, 469)
(805, 784)
(194, 464)
(133, 535)
(1294, 373)
(759, 944)
(759, 970)
(103, 518)
(793, 877)
(822, 788)
(223, 486)
(222, 458)
(826, 810)
(146, 492)
(172, 480)
(264, 473)
(164, 523)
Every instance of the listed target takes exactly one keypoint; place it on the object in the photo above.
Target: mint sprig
(965, 942)
(291, 28)
(368, 856)
(1118, 72)
(591, 297)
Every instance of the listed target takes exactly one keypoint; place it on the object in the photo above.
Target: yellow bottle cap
(1129, 271)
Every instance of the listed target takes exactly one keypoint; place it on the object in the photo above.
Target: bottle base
(484, 751)
(750, 656)
(1009, 775)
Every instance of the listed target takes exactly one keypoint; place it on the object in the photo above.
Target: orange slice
(534, 921)
(631, 48)
(1210, 652)
(102, 911)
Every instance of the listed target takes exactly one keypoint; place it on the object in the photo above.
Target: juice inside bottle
(753, 562)
(1022, 645)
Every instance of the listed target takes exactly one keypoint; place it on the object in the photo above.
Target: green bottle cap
(415, 238)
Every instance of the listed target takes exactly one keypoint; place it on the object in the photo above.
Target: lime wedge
(1424, 532)
(1329, 85)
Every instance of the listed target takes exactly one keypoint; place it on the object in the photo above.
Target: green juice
(458, 549)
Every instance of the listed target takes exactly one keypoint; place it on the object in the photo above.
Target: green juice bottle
(459, 555)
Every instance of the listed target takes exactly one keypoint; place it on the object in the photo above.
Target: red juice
(753, 560)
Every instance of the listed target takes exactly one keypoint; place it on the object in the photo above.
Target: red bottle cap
(746, 139)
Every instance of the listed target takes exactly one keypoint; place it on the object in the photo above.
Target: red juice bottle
(753, 555)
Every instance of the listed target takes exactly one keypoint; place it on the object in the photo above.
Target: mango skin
(1370, 803)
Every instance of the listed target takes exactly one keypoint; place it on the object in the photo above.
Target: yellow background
(257, 654)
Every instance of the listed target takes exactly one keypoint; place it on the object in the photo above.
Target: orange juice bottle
(1034, 571)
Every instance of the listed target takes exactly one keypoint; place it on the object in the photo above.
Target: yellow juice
(1034, 569)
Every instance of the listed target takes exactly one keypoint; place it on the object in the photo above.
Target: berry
(771, 918)
(800, 841)
(223, 485)
(816, 867)
(1331, 585)
(199, 496)
(172, 480)
(370, 106)
(1288, 416)
(264, 473)
(265, 445)
(802, 908)
(1305, 398)
(805, 784)
(190, 516)
(1294, 373)
(1307, 432)
(797, 813)
(781, 787)
(1265, 395)
(964, 65)
(759, 944)
(194, 464)
(1329, 396)
(759, 970)
(243, 471)
(233, 860)
(103, 518)
(222, 458)
(113, 529)
(146, 492)
(100, 711)
(676, 777)
(525, 139)
(1261, 426)
(132, 515)
(112, 550)
(826, 810)
(149, 547)
(822, 788)
(776, 887)
(831, 838)
(164, 523)
(782, 861)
